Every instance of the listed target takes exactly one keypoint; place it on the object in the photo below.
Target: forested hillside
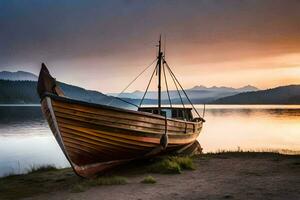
(18, 92)
(280, 95)
(24, 92)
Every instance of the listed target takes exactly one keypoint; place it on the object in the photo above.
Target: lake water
(26, 140)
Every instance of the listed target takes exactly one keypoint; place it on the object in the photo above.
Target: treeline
(24, 92)
(280, 95)
(18, 92)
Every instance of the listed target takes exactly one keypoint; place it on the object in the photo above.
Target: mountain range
(246, 88)
(197, 94)
(20, 88)
(17, 76)
(289, 94)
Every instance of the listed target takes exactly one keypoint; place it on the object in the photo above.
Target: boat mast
(159, 61)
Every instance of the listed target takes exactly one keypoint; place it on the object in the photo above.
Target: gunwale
(75, 101)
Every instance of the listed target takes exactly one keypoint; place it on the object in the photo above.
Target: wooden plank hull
(95, 137)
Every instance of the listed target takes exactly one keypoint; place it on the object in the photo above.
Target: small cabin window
(155, 112)
(180, 114)
(174, 113)
(189, 115)
(148, 110)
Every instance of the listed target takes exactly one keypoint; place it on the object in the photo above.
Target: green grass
(172, 165)
(33, 169)
(106, 180)
(40, 180)
(185, 162)
(165, 166)
(149, 180)
(42, 168)
(224, 154)
(45, 179)
(255, 152)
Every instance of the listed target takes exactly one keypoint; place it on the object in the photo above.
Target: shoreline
(283, 105)
(224, 175)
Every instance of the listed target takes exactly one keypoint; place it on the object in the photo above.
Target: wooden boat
(96, 137)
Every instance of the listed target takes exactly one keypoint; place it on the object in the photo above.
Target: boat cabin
(170, 112)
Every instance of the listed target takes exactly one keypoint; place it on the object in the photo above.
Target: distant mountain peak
(18, 76)
(137, 91)
(199, 87)
(219, 88)
(249, 88)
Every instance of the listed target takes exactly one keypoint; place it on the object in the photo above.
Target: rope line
(148, 86)
(175, 85)
(170, 72)
(117, 97)
(182, 89)
(126, 101)
(167, 84)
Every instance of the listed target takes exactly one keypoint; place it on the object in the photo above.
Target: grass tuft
(149, 180)
(165, 166)
(42, 168)
(172, 165)
(185, 163)
(88, 183)
(113, 180)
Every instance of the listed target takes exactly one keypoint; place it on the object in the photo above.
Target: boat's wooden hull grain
(95, 137)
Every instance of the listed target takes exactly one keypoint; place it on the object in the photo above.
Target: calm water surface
(26, 140)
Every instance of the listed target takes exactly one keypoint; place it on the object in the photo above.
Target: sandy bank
(217, 176)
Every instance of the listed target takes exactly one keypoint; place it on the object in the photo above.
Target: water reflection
(26, 140)
(22, 120)
(286, 113)
(251, 128)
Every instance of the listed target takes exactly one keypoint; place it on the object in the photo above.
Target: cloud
(122, 34)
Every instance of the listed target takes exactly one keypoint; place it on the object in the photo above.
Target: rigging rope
(184, 114)
(126, 101)
(175, 80)
(172, 74)
(117, 97)
(176, 86)
(148, 86)
(167, 84)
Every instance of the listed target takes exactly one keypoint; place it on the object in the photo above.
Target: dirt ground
(217, 176)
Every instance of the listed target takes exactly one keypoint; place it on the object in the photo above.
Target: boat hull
(95, 137)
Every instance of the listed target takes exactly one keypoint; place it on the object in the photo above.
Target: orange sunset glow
(206, 43)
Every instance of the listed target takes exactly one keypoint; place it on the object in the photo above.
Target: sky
(103, 45)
